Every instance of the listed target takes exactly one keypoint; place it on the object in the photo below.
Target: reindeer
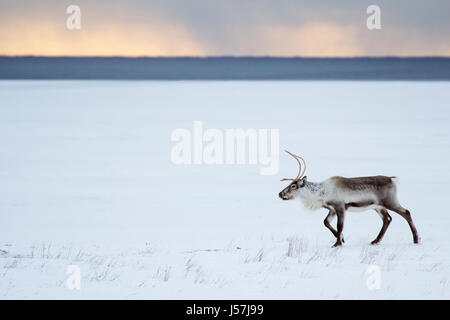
(339, 194)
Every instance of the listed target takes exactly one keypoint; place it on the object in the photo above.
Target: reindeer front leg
(340, 212)
(329, 219)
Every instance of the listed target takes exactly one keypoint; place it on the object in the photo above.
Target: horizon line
(229, 57)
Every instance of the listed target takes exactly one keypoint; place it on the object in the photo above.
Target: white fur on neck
(311, 195)
(311, 202)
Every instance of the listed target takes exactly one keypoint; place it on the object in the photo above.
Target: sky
(320, 28)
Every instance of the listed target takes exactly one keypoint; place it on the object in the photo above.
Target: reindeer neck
(312, 195)
(315, 189)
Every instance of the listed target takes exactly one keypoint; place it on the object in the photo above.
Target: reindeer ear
(302, 181)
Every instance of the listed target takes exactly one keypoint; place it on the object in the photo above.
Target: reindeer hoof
(337, 244)
(374, 242)
(343, 241)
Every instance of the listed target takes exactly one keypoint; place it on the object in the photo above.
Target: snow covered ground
(86, 179)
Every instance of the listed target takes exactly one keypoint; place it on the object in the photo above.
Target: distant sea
(225, 68)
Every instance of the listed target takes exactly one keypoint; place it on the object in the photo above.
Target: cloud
(233, 27)
(317, 39)
(51, 39)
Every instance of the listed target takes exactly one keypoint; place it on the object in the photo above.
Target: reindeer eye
(293, 186)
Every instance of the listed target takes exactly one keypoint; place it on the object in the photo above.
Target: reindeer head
(299, 182)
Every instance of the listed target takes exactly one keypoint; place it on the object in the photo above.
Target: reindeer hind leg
(382, 212)
(407, 216)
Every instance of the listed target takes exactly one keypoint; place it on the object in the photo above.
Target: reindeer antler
(300, 171)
